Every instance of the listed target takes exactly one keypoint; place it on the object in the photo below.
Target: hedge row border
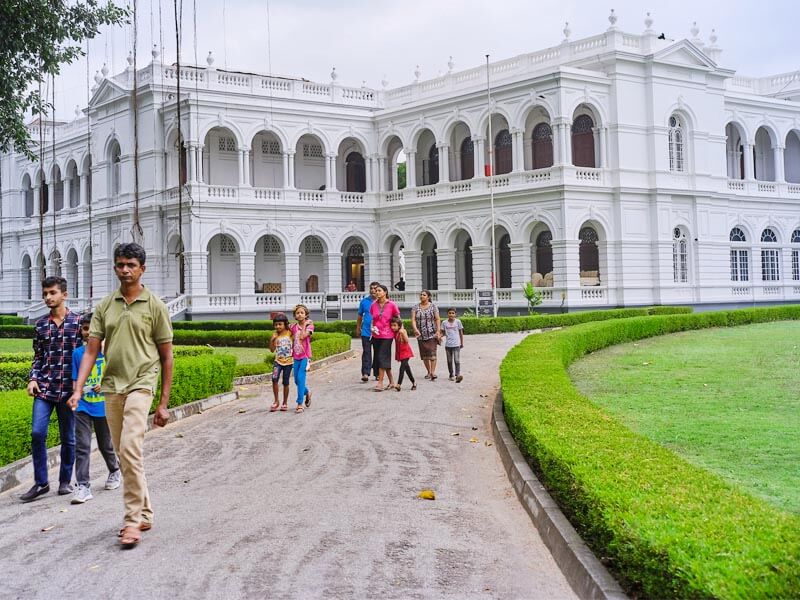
(607, 510)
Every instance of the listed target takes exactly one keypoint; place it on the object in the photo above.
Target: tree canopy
(37, 37)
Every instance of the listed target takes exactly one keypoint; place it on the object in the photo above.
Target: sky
(369, 40)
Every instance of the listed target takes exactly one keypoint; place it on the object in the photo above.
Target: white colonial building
(628, 170)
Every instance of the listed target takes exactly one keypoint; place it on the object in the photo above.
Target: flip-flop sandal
(377, 389)
(364, 379)
(284, 408)
(308, 399)
(413, 387)
(143, 526)
(298, 410)
(274, 407)
(128, 540)
(397, 388)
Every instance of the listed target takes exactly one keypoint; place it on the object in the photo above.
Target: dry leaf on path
(488, 443)
(63, 510)
(178, 435)
(473, 440)
(427, 495)
(242, 410)
(45, 529)
(455, 433)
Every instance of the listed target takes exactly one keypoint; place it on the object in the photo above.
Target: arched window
(680, 256)
(116, 170)
(27, 194)
(770, 267)
(312, 245)
(676, 149)
(589, 256)
(544, 253)
(44, 196)
(740, 257)
(467, 159)
(271, 245)
(502, 152)
(583, 141)
(430, 167)
(226, 245)
(542, 146)
(355, 173)
(796, 256)
(504, 262)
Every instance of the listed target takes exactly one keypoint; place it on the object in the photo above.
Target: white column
(748, 162)
(290, 181)
(247, 274)
(79, 285)
(444, 166)
(596, 139)
(478, 155)
(413, 270)
(334, 184)
(381, 174)
(369, 166)
(604, 147)
(247, 180)
(482, 267)
(196, 273)
(51, 196)
(567, 143)
(777, 153)
(566, 266)
(333, 267)
(520, 264)
(199, 165)
(84, 183)
(67, 185)
(328, 185)
(291, 285)
(446, 267)
(241, 167)
(37, 191)
(517, 157)
(191, 161)
(285, 160)
(411, 169)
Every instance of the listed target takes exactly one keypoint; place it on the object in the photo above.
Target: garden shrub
(10, 320)
(16, 331)
(15, 426)
(247, 369)
(14, 375)
(230, 338)
(321, 347)
(8, 357)
(665, 528)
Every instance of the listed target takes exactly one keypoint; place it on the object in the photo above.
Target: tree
(36, 38)
(401, 175)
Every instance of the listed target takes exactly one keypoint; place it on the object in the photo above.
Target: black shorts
(277, 370)
(383, 353)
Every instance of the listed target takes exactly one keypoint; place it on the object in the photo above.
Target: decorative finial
(695, 30)
(713, 37)
(363, 83)
(384, 81)
(334, 75)
(612, 18)
(155, 53)
(104, 70)
(130, 60)
(210, 58)
(567, 31)
(450, 65)
(78, 112)
(97, 77)
(417, 73)
(648, 22)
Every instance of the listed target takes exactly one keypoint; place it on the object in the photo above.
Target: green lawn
(724, 399)
(15, 345)
(244, 355)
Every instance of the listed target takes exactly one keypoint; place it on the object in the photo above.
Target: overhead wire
(136, 229)
(89, 172)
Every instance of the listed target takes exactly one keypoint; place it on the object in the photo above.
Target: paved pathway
(318, 505)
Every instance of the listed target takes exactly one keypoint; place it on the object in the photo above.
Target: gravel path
(320, 505)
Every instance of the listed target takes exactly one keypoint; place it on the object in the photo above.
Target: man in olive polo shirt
(137, 331)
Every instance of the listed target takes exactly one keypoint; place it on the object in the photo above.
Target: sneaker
(35, 492)
(65, 488)
(451, 378)
(459, 378)
(114, 480)
(82, 494)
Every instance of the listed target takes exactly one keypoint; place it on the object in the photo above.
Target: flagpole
(490, 143)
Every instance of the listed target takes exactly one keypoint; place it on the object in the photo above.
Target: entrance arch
(430, 266)
(353, 263)
(270, 267)
(223, 265)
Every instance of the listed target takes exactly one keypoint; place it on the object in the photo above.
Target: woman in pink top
(382, 311)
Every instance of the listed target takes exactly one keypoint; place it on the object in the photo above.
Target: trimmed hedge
(235, 338)
(665, 528)
(330, 344)
(9, 357)
(195, 377)
(10, 320)
(14, 375)
(16, 331)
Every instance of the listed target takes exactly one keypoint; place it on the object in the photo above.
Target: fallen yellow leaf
(427, 495)
(473, 440)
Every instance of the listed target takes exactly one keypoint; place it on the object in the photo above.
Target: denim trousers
(84, 423)
(366, 357)
(299, 369)
(42, 409)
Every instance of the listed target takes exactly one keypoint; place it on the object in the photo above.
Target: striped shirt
(52, 355)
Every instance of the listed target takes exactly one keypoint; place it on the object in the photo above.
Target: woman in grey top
(428, 330)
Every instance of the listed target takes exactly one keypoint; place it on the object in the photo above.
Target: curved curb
(584, 572)
(315, 365)
(15, 473)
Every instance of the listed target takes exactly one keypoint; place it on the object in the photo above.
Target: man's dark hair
(86, 317)
(53, 281)
(130, 250)
(281, 318)
(374, 284)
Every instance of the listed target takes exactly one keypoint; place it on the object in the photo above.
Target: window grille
(676, 149)
(227, 144)
(588, 235)
(312, 151)
(270, 147)
(768, 236)
(542, 132)
(312, 245)
(582, 124)
(769, 265)
(227, 245)
(271, 245)
(544, 239)
(795, 265)
(680, 256)
(796, 236)
(356, 250)
(737, 235)
(740, 265)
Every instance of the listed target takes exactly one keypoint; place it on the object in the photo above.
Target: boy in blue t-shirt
(91, 412)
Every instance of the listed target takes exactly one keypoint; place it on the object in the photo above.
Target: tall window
(796, 256)
(116, 170)
(740, 270)
(544, 253)
(467, 159)
(676, 149)
(589, 256)
(680, 256)
(430, 167)
(502, 152)
(583, 141)
(770, 269)
(355, 173)
(542, 146)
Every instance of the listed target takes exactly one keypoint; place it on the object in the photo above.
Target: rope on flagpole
(490, 143)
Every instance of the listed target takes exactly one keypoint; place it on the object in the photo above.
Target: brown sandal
(130, 537)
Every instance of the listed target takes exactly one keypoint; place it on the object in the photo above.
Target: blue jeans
(42, 409)
(366, 357)
(299, 369)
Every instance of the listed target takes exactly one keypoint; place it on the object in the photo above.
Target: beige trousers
(127, 419)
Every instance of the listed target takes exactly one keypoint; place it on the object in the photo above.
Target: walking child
(402, 352)
(302, 330)
(281, 345)
(454, 342)
(91, 413)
